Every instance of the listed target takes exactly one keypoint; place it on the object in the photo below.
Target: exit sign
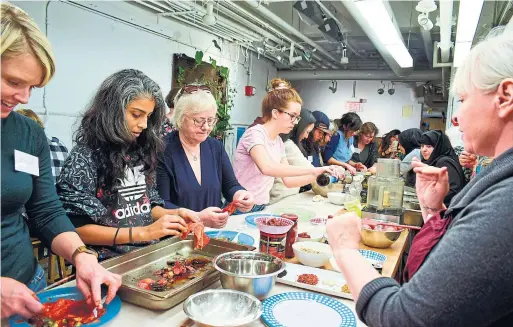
(354, 106)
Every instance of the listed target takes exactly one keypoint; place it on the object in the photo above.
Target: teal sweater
(47, 218)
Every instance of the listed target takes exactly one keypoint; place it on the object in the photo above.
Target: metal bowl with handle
(249, 272)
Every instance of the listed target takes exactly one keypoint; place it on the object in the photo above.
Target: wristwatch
(83, 249)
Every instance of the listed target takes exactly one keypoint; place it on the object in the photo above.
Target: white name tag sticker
(26, 163)
(357, 150)
(310, 158)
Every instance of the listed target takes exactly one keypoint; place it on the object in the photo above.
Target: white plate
(372, 256)
(334, 280)
(303, 309)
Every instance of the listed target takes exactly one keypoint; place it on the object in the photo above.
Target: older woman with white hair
(457, 273)
(195, 171)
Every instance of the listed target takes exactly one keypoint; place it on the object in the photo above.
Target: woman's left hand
(361, 167)
(245, 200)
(344, 231)
(90, 277)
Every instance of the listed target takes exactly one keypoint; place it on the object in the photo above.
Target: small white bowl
(339, 198)
(312, 259)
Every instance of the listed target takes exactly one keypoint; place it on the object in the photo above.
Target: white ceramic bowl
(312, 259)
(339, 198)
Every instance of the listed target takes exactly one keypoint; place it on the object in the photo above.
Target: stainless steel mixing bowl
(226, 308)
(249, 272)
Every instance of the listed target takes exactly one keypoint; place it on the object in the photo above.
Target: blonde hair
(32, 115)
(487, 65)
(20, 35)
(279, 97)
(192, 104)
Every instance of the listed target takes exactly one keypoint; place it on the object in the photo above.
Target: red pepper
(230, 208)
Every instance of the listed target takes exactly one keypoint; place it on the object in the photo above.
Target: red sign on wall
(354, 106)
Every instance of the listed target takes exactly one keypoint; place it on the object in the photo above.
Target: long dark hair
(105, 131)
(306, 119)
(350, 121)
(385, 140)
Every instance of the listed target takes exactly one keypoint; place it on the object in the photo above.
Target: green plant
(213, 62)
(181, 75)
(198, 57)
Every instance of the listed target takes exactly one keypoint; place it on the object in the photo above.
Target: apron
(428, 237)
(343, 152)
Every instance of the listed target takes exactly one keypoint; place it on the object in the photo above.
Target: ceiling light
(331, 31)
(426, 6)
(425, 22)
(309, 12)
(209, 18)
(378, 18)
(308, 53)
(468, 18)
(259, 46)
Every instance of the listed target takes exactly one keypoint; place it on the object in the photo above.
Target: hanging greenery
(187, 70)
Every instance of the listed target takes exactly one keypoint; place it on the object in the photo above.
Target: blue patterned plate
(302, 309)
(228, 235)
(112, 308)
(250, 220)
(374, 256)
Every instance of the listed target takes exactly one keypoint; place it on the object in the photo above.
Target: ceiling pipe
(374, 75)
(289, 29)
(445, 43)
(271, 29)
(506, 8)
(378, 44)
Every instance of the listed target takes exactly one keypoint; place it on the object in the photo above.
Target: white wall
(89, 46)
(383, 110)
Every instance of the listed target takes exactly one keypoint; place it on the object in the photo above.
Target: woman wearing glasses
(107, 184)
(195, 171)
(260, 155)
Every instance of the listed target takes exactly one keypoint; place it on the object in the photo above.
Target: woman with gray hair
(195, 171)
(107, 184)
(458, 268)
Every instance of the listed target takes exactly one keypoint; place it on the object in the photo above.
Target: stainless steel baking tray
(139, 264)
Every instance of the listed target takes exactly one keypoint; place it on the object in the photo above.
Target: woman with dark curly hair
(107, 184)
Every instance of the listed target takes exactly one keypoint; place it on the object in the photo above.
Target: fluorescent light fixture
(468, 18)
(379, 20)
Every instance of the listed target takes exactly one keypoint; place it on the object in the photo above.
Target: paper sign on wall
(407, 111)
(354, 106)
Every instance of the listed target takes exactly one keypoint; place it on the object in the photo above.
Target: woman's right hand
(468, 160)
(214, 217)
(432, 185)
(18, 299)
(167, 225)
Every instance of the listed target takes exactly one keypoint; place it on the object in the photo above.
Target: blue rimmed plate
(228, 236)
(112, 309)
(303, 309)
(373, 255)
(250, 220)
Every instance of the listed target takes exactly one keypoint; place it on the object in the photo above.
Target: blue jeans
(38, 281)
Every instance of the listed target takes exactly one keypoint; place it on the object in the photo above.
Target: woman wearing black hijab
(437, 151)
(409, 141)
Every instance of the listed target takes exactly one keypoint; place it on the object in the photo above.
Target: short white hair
(488, 64)
(192, 104)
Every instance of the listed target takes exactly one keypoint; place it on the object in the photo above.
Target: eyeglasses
(200, 123)
(293, 118)
(189, 89)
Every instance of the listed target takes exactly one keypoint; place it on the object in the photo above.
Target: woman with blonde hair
(27, 182)
(195, 171)
(260, 156)
(457, 273)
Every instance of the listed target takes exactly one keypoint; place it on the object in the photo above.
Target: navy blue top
(178, 185)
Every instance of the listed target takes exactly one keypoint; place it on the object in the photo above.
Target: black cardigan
(372, 158)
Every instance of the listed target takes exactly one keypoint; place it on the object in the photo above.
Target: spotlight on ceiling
(426, 6)
(309, 12)
(209, 18)
(425, 22)
(308, 53)
(259, 46)
(381, 90)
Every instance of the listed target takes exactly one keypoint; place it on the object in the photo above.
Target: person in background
(107, 184)
(195, 171)
(445, 268)
(389, 144)
(340, 148)
(316, 141)
(437, 151)
(167, 125)
(455, 137)
(58, 151)
(27, 182)
(424, 126)
(260, 156)
(409, 145)
(366, 150)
